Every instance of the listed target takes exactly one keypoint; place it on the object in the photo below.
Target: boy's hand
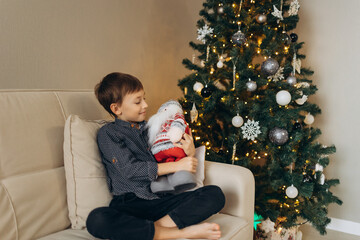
(187, 144)
(187, 164)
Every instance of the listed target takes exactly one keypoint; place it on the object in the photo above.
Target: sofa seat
(231, 227)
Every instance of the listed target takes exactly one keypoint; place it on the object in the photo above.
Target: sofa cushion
(84, 171)
(36, 204)
(31, 127)
(231, 228)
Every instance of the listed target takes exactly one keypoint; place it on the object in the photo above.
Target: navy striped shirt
(127, 158)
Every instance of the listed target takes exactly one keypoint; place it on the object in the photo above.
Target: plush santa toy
(165, 128)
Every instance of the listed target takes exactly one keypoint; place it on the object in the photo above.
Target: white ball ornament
(220, 64)
(291, 191)
(237, 121)
(309, 119)
(283, 97)
(198, 87)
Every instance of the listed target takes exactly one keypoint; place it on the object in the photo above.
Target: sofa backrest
(32, 179)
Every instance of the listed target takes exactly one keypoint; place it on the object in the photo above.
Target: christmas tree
(246, 100)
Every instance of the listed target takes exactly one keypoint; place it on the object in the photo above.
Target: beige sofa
(33, 200)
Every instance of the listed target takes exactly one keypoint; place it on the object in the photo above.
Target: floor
(309, 233)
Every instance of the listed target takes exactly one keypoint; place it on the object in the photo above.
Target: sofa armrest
(238, 186)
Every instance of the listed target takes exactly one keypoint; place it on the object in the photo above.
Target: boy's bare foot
(203, 230)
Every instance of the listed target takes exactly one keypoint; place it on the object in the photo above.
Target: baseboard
(345, 226)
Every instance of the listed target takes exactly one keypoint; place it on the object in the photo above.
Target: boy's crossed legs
(176, 216)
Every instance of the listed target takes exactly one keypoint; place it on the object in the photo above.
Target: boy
(135, 213)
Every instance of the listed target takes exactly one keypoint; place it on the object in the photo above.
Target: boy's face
(133, 107)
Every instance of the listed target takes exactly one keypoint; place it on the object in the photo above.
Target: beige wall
(331, 32)
(66, 44)
(72, 44)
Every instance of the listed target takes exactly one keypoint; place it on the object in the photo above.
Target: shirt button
(132, 125)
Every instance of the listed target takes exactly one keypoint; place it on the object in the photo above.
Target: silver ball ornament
(237, 121)
(283, 97)
(291, 80)
(292, 191)
(279, 136)
(270, 66)
(251, 86)
(261, 18)
(198, 87)
(238, 38)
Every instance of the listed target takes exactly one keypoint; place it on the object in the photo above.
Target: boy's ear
(115, 108)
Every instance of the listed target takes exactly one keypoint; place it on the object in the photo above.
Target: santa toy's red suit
(165, 128)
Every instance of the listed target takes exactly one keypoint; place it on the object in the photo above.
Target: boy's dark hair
(114, 87)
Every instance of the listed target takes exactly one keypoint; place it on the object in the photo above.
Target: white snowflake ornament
(294, 8)
(251, 129)
(278, 75)
(277, 13)
(267, 225)
(202, 32)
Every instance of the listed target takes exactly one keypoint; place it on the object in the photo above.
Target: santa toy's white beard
(157, 120)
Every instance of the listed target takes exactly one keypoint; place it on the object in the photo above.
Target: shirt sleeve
(117, 154)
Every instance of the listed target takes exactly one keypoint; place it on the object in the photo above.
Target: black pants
(131, 218)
